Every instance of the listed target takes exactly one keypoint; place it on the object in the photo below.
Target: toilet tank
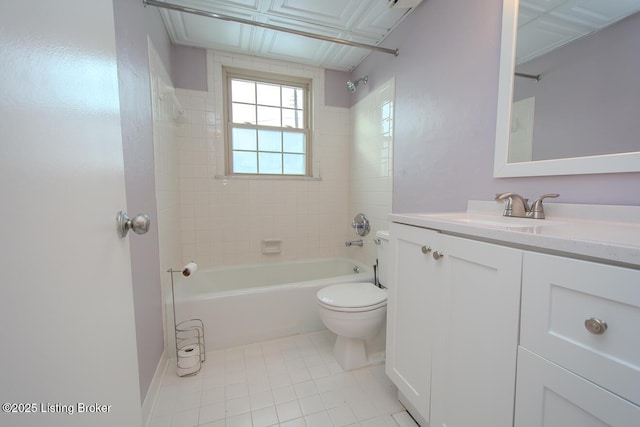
(383, 257)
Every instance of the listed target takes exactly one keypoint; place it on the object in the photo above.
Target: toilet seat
(352, 297)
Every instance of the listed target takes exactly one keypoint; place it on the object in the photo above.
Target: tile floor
(293, 382)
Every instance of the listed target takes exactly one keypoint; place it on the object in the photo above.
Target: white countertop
(608, 233)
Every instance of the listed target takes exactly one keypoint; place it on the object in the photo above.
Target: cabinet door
(474, 358)
(562, 297)
(411, 306)
(550, 396)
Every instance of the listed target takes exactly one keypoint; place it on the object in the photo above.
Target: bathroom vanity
(496, 321)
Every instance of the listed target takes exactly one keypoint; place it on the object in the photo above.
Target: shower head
(353, 85)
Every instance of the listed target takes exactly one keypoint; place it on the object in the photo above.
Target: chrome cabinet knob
(437, 255)
(425, 249)
(595, 326)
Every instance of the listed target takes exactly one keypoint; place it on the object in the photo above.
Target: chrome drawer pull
(595, 326)
(425, 249)
(437, 255)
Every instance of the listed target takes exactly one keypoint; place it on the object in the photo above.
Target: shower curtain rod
(200, 12)
(535, 77)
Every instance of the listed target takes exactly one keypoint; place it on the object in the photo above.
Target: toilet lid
(352, 295)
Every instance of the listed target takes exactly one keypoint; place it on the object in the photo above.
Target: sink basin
(493, 221)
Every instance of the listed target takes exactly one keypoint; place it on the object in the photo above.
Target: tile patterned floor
(292, 382)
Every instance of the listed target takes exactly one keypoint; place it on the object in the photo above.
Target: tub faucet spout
(358, 242)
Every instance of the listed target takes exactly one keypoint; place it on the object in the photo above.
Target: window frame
(230, 73)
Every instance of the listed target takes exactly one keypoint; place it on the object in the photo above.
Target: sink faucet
(517, 206)
(514, 204)
(537, 210)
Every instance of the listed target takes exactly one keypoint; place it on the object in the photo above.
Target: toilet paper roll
(189, 356)
(189, 350)
(189, 269)
(181, 372)
(188, 363)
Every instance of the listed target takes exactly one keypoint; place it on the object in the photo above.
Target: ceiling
(544, 25)
(362, 21)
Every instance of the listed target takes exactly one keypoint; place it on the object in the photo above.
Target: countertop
(597, 232)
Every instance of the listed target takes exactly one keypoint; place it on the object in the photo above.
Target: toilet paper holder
(189, 335)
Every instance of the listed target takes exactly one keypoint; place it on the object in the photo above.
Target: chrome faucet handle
(537, 210)
(515, 205)
(507, 202)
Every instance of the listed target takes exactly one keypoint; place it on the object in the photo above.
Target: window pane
(292, 119)
(268, 94)
(293, 142)
(294, 164)
(270, 163)
(242, 113)
(243, 91)
(245, 162)
(300, 119)
(269, 140)
(386, 126)
(289, 119)
(386, 110)
(292, 97)
(243, 139)
(269, 116)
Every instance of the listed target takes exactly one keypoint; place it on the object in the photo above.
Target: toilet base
(351, 353)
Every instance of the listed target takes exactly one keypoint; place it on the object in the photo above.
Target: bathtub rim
(365, 275)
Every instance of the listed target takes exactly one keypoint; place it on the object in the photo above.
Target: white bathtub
(246, 304)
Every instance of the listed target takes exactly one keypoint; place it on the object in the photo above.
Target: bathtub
(246, 304)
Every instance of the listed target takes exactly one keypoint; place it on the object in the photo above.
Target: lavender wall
(189, 71)
(446, 97)
(133, 23)
(335, 89)
(189, 67)
(588, 89)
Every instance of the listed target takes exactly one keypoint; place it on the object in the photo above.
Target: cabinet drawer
(559, 295)
(550, 396)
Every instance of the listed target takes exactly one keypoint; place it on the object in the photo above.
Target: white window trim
(216, 60)
(229, 73)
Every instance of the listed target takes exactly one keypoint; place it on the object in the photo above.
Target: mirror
(546, 131)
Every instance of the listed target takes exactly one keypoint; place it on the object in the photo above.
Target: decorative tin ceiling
(543, 26)
(362, 21)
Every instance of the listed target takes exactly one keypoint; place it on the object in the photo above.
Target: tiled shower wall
(223, 221)
(371, 164)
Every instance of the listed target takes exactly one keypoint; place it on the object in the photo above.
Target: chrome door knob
(139, 224)
(425, 249)
(437, 255)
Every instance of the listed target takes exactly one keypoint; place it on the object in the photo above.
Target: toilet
(356, 313)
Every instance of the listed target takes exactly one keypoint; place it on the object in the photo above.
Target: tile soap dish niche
(271, 246)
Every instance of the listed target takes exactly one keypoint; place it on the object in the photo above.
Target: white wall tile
(370, 164)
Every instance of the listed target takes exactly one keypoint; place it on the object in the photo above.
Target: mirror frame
(609, 163)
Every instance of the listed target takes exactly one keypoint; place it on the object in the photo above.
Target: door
(66, 307)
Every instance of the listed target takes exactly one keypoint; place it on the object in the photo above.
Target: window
(268, 131)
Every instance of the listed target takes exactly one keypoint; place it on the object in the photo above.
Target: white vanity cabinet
(579, 361)
(517, 321)
(452, 332)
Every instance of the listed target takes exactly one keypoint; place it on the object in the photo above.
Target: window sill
(270, 177)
